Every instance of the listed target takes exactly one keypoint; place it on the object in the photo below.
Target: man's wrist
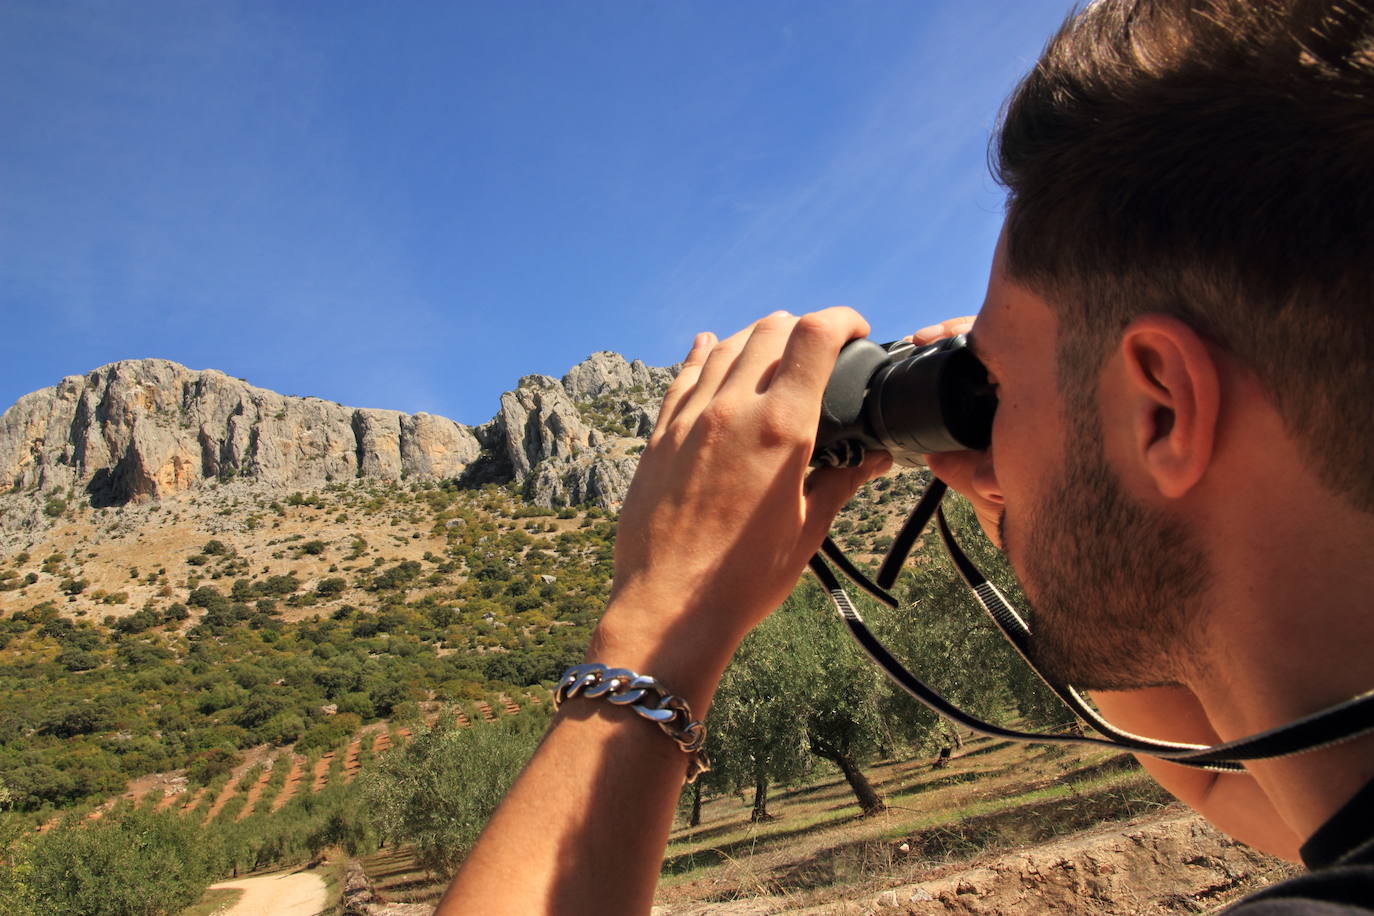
(687, 659)
(647, 698)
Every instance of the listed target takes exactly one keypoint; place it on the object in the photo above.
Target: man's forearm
(584, 827)
(600, 791)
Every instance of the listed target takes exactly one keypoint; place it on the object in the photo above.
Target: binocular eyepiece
(905, 399)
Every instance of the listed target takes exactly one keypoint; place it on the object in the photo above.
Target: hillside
(424, 591)
(240, 642)
(222, 605)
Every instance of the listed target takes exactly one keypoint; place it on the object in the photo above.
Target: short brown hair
(1212, 160)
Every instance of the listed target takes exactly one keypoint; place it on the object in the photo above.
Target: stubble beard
(1115, 587)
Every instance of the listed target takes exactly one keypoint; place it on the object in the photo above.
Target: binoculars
(905, 399)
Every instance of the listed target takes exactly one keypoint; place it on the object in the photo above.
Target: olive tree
(756, 737)
(844, 710)
(942, 634)
(439, 789)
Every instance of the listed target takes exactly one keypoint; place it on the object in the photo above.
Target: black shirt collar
(1349, 828)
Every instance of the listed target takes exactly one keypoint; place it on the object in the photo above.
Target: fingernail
(701, 340)
(933, 330)
(781, 313)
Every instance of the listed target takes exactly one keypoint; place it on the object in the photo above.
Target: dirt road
(299, 893)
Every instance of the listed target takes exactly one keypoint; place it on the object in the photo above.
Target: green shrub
(78, 660)
(73, 586)
(329, 733)
(206, 766)
(328, 588)
(130, 863)
(278, 585)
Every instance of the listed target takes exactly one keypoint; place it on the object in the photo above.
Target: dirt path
(256, 790)
(299, 893)
(221, 800)
(293, 780)
(322, 771)
(351, 764)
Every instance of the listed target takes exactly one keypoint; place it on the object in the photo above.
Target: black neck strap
(1332, 725)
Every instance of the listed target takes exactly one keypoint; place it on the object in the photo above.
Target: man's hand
(722, 515)
(716, 528)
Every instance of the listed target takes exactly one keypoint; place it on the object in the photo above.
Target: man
(1180, 320)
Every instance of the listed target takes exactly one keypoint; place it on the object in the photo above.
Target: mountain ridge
(145, 429)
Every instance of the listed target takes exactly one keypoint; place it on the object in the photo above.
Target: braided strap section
(645, 696)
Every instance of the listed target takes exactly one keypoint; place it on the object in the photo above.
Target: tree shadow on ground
(1022, 825)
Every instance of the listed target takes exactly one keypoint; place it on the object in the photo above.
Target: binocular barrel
(905, 400)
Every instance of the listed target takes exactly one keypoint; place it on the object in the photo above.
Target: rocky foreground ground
(1168, 863)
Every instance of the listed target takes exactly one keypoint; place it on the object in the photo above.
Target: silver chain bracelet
(645, 696)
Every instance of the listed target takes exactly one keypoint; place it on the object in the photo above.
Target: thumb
(828, 489)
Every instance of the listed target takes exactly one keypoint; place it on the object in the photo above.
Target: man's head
(1211, 161)
(1116, 580)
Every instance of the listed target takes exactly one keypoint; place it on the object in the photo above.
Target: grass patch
(1020, 821)
(216, 900)
(397, 878)
(332, 873)
(1007, 795)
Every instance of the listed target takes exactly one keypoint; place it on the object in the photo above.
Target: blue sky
(412, 205)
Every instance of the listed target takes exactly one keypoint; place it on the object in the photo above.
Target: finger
(718, 363)
(955, 469)
(828, 489)
(958, 469)
(754, 368)
(686, 379)
(809, 356)
(947, 328)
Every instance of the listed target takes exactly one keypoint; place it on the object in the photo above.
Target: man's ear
(1174, 396)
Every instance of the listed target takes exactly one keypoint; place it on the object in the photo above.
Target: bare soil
(292, 784)
(1171, 862)
(999, 830)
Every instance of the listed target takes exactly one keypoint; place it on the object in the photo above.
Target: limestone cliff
(149, 428)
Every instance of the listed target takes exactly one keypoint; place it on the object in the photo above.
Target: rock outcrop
(538, 422)
(360, 898)
(608, 373)
(149, 428)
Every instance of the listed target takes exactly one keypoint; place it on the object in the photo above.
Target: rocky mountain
(146, 429)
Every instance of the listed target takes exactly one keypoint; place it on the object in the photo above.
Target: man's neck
(1290, 632)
